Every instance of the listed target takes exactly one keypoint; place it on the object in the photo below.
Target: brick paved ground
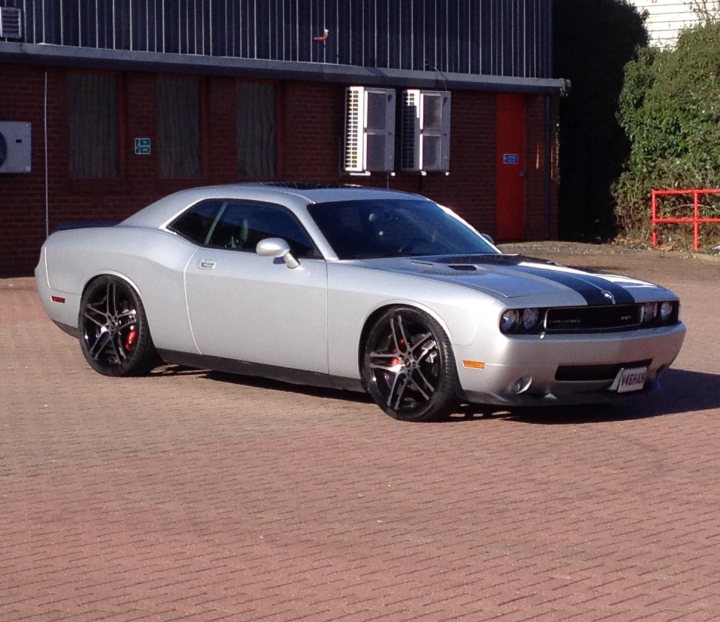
(194, 496)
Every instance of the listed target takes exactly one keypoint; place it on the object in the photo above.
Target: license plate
(631, 379)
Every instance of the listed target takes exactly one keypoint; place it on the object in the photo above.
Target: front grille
(591, 319)
(588, 373)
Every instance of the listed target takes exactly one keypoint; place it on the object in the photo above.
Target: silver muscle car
(352, 288)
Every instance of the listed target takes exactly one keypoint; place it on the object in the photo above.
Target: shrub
(670, 111)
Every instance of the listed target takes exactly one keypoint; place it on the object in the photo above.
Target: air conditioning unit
(425, 144)
(15, 155)
(369, 130)
(10, 23)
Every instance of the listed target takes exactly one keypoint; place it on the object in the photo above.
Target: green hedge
(670, 110)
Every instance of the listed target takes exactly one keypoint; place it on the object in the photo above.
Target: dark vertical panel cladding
(316, 27)
(105, 24)
(138, 25)
(493, 37)
(51, 22)
(121, 25)
(170, 16)
(70, 29)
(418, 38)
(404, 27)
(474, 40)
(367, 33)
(332, 20)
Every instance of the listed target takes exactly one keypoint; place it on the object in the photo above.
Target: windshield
(395, 228)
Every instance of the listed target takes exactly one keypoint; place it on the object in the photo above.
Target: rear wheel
(114, 333)
(408, 366)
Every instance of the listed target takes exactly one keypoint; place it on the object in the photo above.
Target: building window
(93, 125)
(178, 126)
(256, 135)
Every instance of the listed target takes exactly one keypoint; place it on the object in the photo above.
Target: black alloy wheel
(114, 333)
(408, 366)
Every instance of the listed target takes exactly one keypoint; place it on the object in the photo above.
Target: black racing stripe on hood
(590, 287)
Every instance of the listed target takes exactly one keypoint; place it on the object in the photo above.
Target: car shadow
(265, 383)
(681, 391)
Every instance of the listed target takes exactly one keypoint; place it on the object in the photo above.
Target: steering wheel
(405, 247)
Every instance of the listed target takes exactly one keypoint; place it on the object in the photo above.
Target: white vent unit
(369, 130)
(10, 23)
(425, 131)
(15, 154)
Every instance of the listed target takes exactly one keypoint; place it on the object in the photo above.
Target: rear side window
(196, 224)
(242, 225)
(239, 226)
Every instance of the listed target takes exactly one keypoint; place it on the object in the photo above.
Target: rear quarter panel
(152, 261)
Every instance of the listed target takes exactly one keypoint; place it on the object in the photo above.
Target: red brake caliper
(130, 339)
(396, 361)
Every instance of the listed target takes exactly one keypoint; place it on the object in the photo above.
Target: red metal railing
(696, 219)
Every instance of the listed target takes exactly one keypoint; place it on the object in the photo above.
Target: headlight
(666, 310)
(649, 312)
(520, 321)
(530, 318)
(509, 320)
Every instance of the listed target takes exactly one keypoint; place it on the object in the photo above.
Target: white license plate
(631, 379)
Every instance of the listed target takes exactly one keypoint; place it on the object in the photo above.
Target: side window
(242, 225)
(94, 134)
(256, 150)
(178, 124)
(196, 224)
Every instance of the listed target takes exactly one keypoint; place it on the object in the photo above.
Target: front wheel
(114, 333)
(408, 366)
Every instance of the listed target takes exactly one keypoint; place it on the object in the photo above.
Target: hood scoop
(463, 267)
(447, 268)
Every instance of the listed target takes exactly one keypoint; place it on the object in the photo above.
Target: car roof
(288, 193)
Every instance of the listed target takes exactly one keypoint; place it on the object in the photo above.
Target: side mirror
(488, 238)
(277, 247)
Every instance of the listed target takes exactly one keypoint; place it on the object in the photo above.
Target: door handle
(206, 264)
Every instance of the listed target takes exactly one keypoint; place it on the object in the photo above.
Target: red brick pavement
(194, 496)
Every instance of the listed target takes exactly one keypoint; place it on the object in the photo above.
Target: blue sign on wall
(511, 158)
(143, 146)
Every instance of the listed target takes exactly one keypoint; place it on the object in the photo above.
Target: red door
(510, 166)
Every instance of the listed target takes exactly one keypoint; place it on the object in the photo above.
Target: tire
(114, 334)
(408, 366)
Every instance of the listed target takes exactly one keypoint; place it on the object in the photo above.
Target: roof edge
(65, 56)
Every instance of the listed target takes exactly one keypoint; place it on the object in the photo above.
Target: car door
(256, 309)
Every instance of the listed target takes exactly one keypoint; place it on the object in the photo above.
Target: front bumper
(491, 373)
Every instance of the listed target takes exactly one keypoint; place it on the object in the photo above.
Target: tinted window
(242, 225)
(395, 228)
(196, 223)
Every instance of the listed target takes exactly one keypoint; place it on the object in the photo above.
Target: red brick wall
(22, 195)
(310, 122)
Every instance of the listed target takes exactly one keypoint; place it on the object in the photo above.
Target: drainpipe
(547, 157)
(47, 182)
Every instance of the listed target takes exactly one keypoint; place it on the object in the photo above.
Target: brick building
(105, 106)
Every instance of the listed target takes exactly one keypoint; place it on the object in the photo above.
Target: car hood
(515, 276)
